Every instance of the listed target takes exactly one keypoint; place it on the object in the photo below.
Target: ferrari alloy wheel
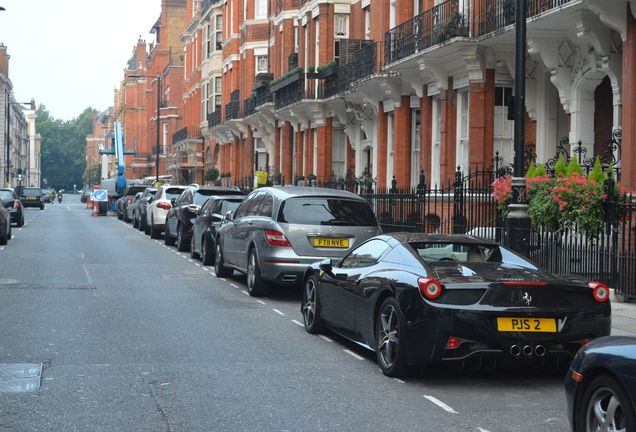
(255, 284)
(389, 324)
(607, 407)
(219, 268)
(311, 305)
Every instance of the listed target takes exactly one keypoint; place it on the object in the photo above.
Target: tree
(63, 147)
(92, 174)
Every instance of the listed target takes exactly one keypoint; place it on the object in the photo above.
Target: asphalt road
(134, 336)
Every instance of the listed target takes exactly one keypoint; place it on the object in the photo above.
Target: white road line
(183, 256)
(245, 292)
(234, 285)
(190, 259)
(352, 354)
(82, 254)
(480, 429)
(325, 338)
(1, 248)
(258, 301)
(87, 275)
(223, 279)
(206, 269)
(19, 229)
(398, 380)
(298, 323)
(440, 404)
(197, 264)
(278, 312)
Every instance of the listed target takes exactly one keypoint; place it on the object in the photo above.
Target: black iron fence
(498, 14)
(363, 64)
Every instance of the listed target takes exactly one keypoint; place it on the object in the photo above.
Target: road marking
(183, 256)
(223, 279)
(19, 229)
(298, 323)
(87, 275)
(234, 285)
(325, 338)
(259, 301)
(245, 292)
(68, 208)
(206, 269)
(440, 404)
(480, 429)
(197, 264)
(82, 254)
(352, 354)
(190, 259)
(1, 248)
(399, 380)
(278, 312)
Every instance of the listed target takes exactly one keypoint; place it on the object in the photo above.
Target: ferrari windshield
(459, 252)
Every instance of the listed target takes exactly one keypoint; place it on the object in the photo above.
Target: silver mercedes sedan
(277, 232)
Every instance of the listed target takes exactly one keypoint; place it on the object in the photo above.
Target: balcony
(214, 118)
(188, 133)
(233, 109)
(496, 15)
(363, 63)
(434, 26)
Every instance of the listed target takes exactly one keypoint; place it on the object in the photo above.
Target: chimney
(4, 61)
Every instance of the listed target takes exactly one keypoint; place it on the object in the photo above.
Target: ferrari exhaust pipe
(539, 350)
(527, 350)
(515, 351)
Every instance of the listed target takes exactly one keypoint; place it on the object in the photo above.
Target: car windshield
(135, 189)
(6, 195)
(31, 192)
(459, 252)
(173, 193)
(326, 211)
(227, 206)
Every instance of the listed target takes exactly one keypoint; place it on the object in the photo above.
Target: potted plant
(327, 70)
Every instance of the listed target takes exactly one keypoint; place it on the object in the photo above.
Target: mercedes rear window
(134, 190)
(326, 211)
(459, 252)
(31, 192)
(173, 193)
(6, 195)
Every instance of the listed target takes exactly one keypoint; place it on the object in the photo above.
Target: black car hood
(453, 272)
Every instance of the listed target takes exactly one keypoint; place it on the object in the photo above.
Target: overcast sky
(70, 54)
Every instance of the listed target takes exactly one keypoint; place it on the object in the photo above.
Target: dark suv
(180, 218)
(32, 197)
(13, 205)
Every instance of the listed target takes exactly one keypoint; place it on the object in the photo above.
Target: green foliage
(63, 147)
(610, 173)
(574, 168)
(560, 168)
(311, 69)
(326, 66)
(597, 172)
(531, 170)
(92, 174)
(211, 175)
(539, 171)
(294, 71)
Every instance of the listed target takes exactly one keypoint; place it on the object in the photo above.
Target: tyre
(155, 231)
(168, 241)
(182, 243)
(207, 252)
(219, 268)
(605, 406)
(4, 237)
(311, 305)
(21, 221)
(41, 206)
(120, 216)
(135, 221)
(193, 253)
(256, 286)
(147, 229)
(141, 224)
(389, 325)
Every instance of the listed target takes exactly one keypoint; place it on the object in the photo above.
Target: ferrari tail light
(600, 291)
(164, 205)
(585, 342)
(430, 288)
(453, 343)
(276, 238)
(16, 204)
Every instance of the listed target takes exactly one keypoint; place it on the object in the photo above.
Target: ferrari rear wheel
(311, 305)
(605, 407)
(389, 327)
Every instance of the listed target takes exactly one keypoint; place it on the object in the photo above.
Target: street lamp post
(517, 224)
(158, 78)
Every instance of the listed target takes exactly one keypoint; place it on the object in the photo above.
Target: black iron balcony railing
(297, 91)
(233, 110)
(180, 135)
(214, 118)
(498, 14)
(362, 65)
(439, 24)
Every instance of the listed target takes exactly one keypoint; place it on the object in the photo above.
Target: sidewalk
(623, 318)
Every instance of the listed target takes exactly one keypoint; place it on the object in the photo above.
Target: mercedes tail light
(430, 288)
(164, 205)
(600, 291)
(276, 238)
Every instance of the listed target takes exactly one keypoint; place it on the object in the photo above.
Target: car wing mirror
(173, 201)
(327, 267)
(340, 276)
(217, 217)
(228, 216)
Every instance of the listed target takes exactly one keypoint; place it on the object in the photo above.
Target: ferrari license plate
(542, 325)
(331, 243)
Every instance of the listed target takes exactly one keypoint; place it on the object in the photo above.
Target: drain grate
(20, 377)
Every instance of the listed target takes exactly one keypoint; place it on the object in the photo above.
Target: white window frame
(416, 124)
(390, 118)
(165, 138)
(367, 22)
(315, 154)
(260, 64)
(260, 9)
(462, 158)
(341, 26)
(503, 128)
(436, 142)
(339, 153)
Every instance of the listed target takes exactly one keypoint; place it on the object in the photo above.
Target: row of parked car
(414, 299)
(12, 204)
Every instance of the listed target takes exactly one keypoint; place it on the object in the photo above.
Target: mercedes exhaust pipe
(539, 350)
(515, 351)
(527, 350)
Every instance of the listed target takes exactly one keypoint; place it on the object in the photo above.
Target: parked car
(139, 218)
(206, 224)
(600, 386)
(180, 217)
(420, 299)
(158, 209)
(126, 200)
(13, 205)
(277, 232)
(132, 207)
(5, 224)
(32, 197)
(86, 194)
